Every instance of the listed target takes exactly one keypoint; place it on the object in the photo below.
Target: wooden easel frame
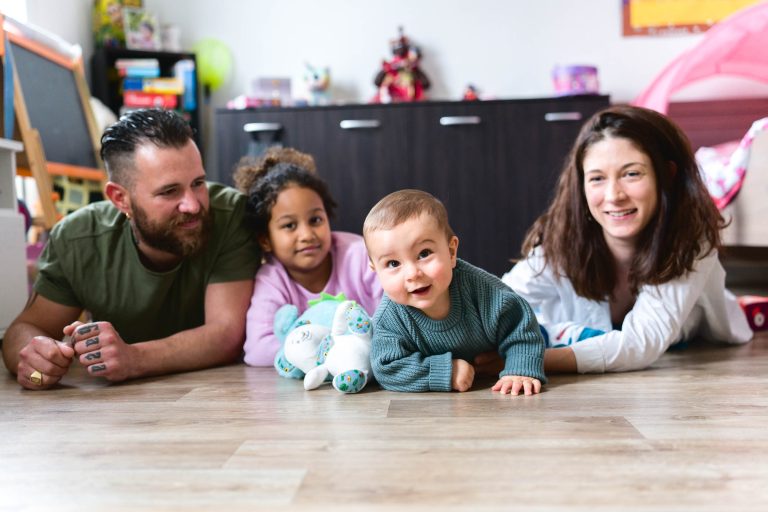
(39, 168)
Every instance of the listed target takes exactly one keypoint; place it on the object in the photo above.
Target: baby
(440, 312)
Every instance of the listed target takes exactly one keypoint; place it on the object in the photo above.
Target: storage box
(575, 80)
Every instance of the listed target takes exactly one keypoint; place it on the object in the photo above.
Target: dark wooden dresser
(493, 163)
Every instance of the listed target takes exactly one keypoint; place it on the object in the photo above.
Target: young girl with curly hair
(289, 208)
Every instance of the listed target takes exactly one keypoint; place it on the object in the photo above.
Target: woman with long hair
(624, 262)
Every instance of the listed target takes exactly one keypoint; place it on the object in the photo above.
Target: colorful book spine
(185, 69)
(137, 63)
(149, 100)
(133, 83)
(163, 86)
(139, 72)
(149, 68)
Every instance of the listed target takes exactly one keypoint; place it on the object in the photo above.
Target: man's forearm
(203, 347)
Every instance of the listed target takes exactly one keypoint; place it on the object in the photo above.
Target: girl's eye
(315, 221)
(424, 253)
(594, 179)
(289, 225)
(392, 264)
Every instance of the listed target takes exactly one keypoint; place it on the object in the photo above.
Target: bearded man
(164, 267)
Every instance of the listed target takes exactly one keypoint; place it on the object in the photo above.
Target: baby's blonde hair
(403, 205)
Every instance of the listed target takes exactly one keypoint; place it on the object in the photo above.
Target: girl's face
(621, 191)
(299, 232)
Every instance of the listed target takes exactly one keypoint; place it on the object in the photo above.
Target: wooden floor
(689, 434)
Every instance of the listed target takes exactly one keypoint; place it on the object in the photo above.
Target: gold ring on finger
(36, 378)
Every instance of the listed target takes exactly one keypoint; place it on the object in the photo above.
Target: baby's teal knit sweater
(412, 352)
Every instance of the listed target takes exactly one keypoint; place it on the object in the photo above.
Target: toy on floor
(401, 78)
(332, 338)
(756, 309)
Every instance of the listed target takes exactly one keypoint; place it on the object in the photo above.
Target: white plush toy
(343, 351)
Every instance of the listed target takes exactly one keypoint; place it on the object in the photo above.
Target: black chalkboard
(55, 108)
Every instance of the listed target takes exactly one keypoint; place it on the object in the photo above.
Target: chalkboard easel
(52, 111)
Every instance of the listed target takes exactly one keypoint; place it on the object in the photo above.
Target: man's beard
(169, 237)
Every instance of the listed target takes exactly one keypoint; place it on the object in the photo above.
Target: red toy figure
(401, 79)
(470, 93)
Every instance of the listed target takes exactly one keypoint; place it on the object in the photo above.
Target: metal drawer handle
(459, 120)
(359, 124)
(562, 116)
(262, 127)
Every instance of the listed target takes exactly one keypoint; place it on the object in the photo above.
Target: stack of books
(143, 87)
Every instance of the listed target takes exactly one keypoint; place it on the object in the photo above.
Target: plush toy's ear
(339, 325)
(284, 318)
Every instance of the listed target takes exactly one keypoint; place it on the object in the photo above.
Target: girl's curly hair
(262, 179)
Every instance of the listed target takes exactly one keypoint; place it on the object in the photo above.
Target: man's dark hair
(163, 128)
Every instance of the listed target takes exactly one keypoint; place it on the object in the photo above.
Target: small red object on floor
(756, 309)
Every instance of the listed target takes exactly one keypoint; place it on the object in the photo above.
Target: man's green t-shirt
(91, 261)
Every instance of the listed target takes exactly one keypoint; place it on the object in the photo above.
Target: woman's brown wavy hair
(686, 225)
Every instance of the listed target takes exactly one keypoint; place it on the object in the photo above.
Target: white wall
(505, 47)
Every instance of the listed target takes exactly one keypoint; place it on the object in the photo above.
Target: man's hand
(102, 351)
(513, 384)
(44, 356)
(462, 375)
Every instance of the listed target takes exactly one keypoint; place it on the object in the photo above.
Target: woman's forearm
(559, 360)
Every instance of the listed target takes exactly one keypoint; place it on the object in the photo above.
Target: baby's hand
(513, 384)
(462, 375)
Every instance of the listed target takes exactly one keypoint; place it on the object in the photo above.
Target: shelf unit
(13, 273)
(106, 84)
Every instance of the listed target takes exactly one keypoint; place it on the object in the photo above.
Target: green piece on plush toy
(214, 63)
(339, 297)
(341, 351)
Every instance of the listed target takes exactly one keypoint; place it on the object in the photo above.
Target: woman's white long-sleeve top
(694, 305)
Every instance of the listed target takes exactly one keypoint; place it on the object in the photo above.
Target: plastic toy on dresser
(401, 78)
(318, 82)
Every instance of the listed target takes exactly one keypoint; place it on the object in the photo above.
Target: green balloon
(214, 62)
